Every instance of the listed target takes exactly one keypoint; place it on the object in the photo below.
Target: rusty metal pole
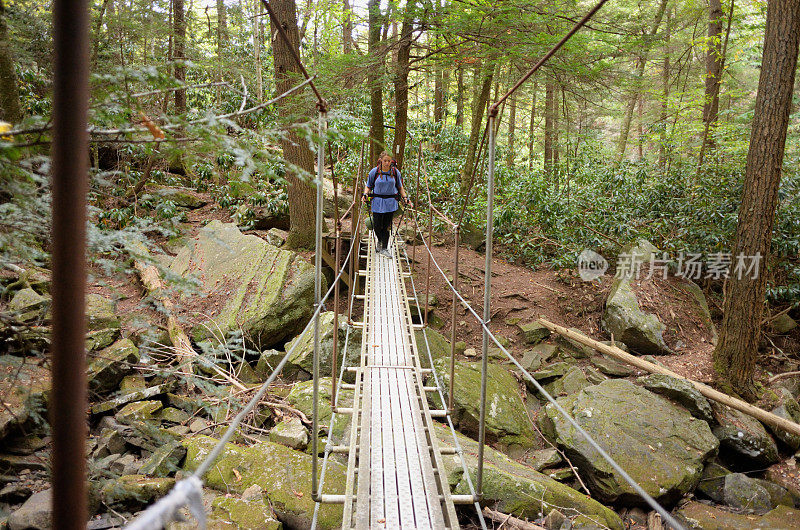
(70, 150)
(355, 237)
(457, 230)
(335, 315)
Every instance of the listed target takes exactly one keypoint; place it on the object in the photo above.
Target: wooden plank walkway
(395, 477)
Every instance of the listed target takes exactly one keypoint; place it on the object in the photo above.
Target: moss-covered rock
(24, 386)
(243, 514)
(680, 391)
(302, 359)
(507, 422)
(696, 515)
(743, 438)
(100, 313)
(28, 305)
(164, 461)
(108, 367)
(301, 398)
(439, 346)
(519, 489)
(133, 490)
(627, 323)
(630, 422)
(182, 197)
(249, 284)
(788, 409)
(533, 332)
(284, 475)
(138, 411)
(291, 433)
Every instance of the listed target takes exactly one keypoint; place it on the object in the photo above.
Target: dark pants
(382, 224)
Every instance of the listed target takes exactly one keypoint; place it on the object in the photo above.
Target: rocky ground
(242, 300)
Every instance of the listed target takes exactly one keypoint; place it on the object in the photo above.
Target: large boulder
(628, 323)
(518, 489)
(743, 438)
(28, 305)
(629, 422)
(245, 514)
(249, 284)
(788, 409)
(182, 197)
(302, 359)
(24, 386)
(696, 515)
(108, 367)
(35, 514)
(102, 323)
(682, 392)
(301, 398)
(507, 422)
(439, 346)
(283, 474)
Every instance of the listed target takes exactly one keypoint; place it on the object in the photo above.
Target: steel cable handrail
(639, 490)
(187, 491)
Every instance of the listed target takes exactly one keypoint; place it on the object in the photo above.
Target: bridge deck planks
(396, 485)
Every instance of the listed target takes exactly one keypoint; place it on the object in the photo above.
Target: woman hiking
(385, 186)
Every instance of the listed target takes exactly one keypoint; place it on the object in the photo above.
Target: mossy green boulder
(624, 320)
(108, 367)
(301, 398)
(302, 359)
(630, 424)
(518, 489)
(439, 346)
(743, 438)
(24, 386)
(284, 475)
(507, 422)
(253, 514)
(247, 284)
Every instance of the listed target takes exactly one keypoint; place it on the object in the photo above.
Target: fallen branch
(782, 376)
(151, 281)
(707, 391)
(509, 521)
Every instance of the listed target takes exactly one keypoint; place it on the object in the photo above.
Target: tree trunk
(736, 353)
(98, 26)
(257, 45)
(512, 124)
(548, 128)
(376, 137)
(401, 85)
(438, 96)
(715, 61)
(641, 62)
(531, 136)
(478, 107)
(640, 126)
(347, 27)
(222, 43)
(295, 149)
(179, 50)
(10, 109)
(662, 148)
(555, 145)
(460, 97)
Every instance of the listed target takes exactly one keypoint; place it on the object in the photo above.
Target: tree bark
(178, 51)
(98, 26)
(257, 45)
(737, 351)
(548, 128)
(401, 85)
(641, 62)
(662, 148)
(715, 62)
(376, 136)
(10, 109)
(222, 43)
(347, 27)
(478, 108)
(460, 97)
(296, 152)
(512, 124)
(531, 136)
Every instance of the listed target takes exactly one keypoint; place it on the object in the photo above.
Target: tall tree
(222, 42)
(665, 83)
(376, 136)
(258, 43)
(460, 97)
(486, 74)
(641, 62)
(715, 62)
(401, 84)
(347, 27)
(531, 135)
(736, 353)
(179, 51)
(548, 128)
(10, 110)
(512, 123)
(301, 194)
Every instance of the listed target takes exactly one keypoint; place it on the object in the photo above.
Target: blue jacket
(384, 184)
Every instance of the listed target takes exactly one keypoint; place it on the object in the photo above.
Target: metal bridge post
(457, 231)
(428, 268)
(70, 167)
(317, 300)
(416, 205)
(487, 298)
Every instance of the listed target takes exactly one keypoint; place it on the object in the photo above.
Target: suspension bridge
(395, 474)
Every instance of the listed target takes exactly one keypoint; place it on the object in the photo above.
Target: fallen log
(509, 521)
(707, 391)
